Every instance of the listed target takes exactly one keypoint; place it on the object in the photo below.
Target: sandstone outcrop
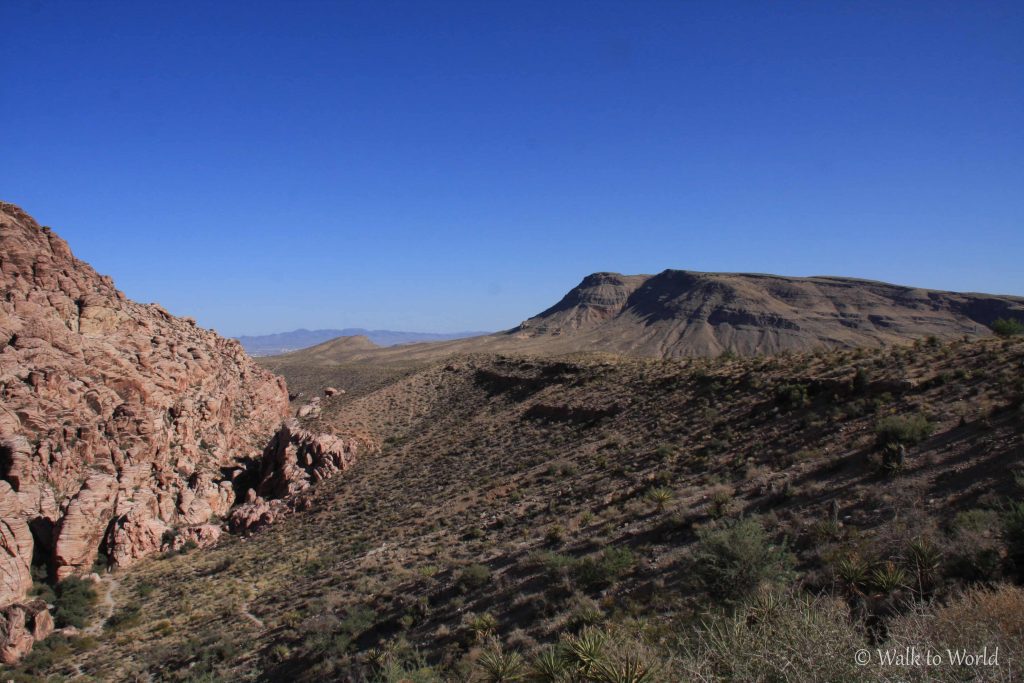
(294, 460)
(119, 423)
(20, 626)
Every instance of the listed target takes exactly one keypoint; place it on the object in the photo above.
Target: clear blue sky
(442, 166)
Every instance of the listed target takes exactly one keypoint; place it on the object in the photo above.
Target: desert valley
(671, 477)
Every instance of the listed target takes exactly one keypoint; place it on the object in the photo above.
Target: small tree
(730, 562)
(1007, 327)
(75, 600)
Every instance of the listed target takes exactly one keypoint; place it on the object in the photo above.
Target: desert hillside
(678, 314)
(677, 519)
(120, 424)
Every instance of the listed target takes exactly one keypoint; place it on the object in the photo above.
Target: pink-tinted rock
(117, 419)
(15, 547)
(203, 535)
(21, 625)
(294, 460)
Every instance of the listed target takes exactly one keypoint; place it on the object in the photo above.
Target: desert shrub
(861, 380)
(1013, 537)
(75, 600)
(721, 501)
(555, 534)
(974, 551)
(45, 655)
(731, 561)
(474, 576)
(906, 430)
(595, 573)
(1008, 327)
(980, 616)
(816, 636)
(124, 617)
(791, 396)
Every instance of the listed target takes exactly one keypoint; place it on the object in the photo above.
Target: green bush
(732, 561)
(125, 617)
(1008, 327)
(75, 600)
(595, 573)
(907, 430)
(791, 396)
(474, 576)
(974, 555)
(45, 655)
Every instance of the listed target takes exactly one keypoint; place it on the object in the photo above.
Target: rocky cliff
(121, 426)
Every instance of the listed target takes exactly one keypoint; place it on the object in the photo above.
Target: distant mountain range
(283, 342)
(680, 313)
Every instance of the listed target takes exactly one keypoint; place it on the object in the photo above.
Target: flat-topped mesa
(118, 420)
(686, 313)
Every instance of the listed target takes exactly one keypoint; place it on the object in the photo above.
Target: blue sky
(443, 166)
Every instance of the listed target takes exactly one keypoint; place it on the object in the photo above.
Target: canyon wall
(122, 427)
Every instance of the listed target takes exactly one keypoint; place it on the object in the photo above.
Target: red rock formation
(294, 460)
(118, 420)
(20, 626)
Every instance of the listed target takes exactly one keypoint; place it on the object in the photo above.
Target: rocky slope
(524, 499)
(677, 314)
(121, 426)
(681, 313)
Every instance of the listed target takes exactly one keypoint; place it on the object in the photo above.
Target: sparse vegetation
(1008, 327)
(903, 430)
(75, 601)
(730, 562)
(656, 545)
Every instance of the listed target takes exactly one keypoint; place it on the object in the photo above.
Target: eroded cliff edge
(121, 426)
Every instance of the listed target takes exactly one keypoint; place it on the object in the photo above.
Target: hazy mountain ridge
(678, 314)
(295, 340)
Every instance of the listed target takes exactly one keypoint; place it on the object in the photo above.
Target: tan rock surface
(118, 420)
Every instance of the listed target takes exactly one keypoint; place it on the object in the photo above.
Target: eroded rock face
(118, 421)
(294, 460)
(20, 626)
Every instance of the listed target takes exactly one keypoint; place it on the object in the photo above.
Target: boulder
(21, 625)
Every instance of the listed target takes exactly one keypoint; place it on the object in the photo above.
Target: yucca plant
(585, 649)
(661, 497)
(500, 665)
(924, 559)
(853, 573)
(889, 578)
(549, 666)
(631, 670)
(763, 606)
(483, 626)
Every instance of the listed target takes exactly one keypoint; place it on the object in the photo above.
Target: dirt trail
(109, 605)
(244, 609)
